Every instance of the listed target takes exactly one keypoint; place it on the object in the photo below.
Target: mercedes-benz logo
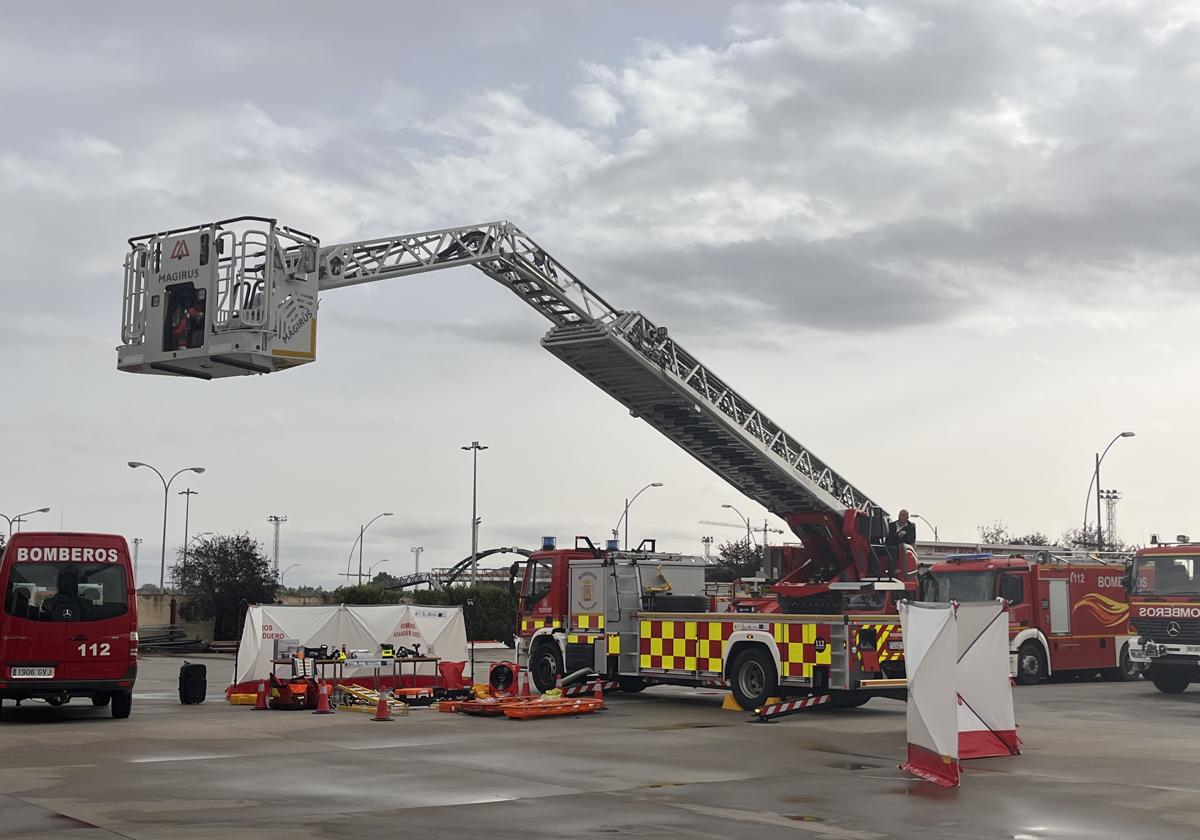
(1173, 629)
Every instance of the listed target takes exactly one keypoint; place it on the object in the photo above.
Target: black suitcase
(193, 684)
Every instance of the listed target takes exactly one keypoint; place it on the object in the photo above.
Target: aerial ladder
(240, 296)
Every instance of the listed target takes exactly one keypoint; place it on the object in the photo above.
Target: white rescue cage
(228, 298)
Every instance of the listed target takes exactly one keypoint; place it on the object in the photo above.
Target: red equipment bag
(297, 693)
(452, 674)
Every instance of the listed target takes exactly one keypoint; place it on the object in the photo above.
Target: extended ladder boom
(250, 298)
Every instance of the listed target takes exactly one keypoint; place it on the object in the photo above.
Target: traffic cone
(598, 691)
(260, 700)
(523, 687)
(382, 710)
(323, 707)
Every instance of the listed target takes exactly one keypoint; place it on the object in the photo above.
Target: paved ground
(1101, 761)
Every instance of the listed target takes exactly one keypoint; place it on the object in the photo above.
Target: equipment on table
(193, 683)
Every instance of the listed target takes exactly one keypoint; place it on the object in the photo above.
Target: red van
(69, 625)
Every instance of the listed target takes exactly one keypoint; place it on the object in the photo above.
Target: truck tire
(1169, 680)
(753, 678)
(545, 666)
(1031, 664)
(1125, 672)
(848, 700)
(631, 685)
(680, 603)
(122, 704)
(100, 700)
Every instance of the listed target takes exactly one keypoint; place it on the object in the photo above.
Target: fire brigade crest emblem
(587, 591)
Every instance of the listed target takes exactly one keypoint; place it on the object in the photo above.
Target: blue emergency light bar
(549, 543)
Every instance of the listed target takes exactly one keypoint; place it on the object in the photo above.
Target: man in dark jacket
(901, 532)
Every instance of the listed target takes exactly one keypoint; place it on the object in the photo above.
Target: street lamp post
(927, 522)
(18, 518)
(371, 571)
(284, 572)
(362, 529)
(474, 449)
(166, 483)
(625, 516)
(187, 512)
(749, 539)
(1096, 481)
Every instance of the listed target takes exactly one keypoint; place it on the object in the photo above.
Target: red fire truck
(640, 618)
(1164, 605)
(69, 625)
(1064, 616)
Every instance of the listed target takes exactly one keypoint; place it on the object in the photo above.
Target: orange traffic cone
(323, 707)
(382, 710)
(598, 691)
(558, 683)
(260, 699)
(523, 687)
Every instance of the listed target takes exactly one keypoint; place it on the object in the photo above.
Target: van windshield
(66, 591)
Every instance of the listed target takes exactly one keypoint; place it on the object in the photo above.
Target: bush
(492, 616)
(367, 593)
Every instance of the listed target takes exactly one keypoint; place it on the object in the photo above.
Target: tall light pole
(137, 544)
(625, 516)
(749, 539)
(276, 521)
(1096, 482)
(371, 571)
(416, 550)
(927, 522)
(166, 483)
(18, 518)
(474, 449)
(187, 512)
(362, 529)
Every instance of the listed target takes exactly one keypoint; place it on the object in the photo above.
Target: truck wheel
(1125, 672)
(122, 704)
(631, 685)
(545, 666)
(1169, 680)
(1031, 664)
(99, 700)
(848, 700)
(753, 678)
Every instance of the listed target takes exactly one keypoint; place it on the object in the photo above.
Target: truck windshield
(1167, 575)
(537, 581)
(66, 591)
(959, 586)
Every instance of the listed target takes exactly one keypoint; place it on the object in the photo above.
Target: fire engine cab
(1063, 616)
(640, 617)
(1164, 604)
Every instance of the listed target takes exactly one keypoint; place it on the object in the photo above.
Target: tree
(493, 614)
(366, 593)
(218, 574)
(735, 560)
(998, 534)
(1085, 538)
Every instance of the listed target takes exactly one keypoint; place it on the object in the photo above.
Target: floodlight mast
(240, 296)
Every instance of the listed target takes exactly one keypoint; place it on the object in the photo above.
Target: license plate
(898, 645)
(31, 673)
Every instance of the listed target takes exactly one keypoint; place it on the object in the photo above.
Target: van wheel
(753, 678)
(99, 700)
(545, 666)
(1031, 664)
(122, 704)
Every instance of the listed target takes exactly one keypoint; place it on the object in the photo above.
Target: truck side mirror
(1127, 582)
(1010, 588)
(512, 577)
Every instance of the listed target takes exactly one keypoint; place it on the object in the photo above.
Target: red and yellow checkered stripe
(528, 625)
(802, 647)
(587, 621)
(884, 632)
(683, 645)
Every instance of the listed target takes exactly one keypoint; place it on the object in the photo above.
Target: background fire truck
(1063, 616)
(640, 618)
(1164, 606)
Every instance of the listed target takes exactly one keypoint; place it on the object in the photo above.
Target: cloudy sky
(949, 246)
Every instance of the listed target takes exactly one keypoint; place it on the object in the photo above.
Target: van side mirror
(1010, 588)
